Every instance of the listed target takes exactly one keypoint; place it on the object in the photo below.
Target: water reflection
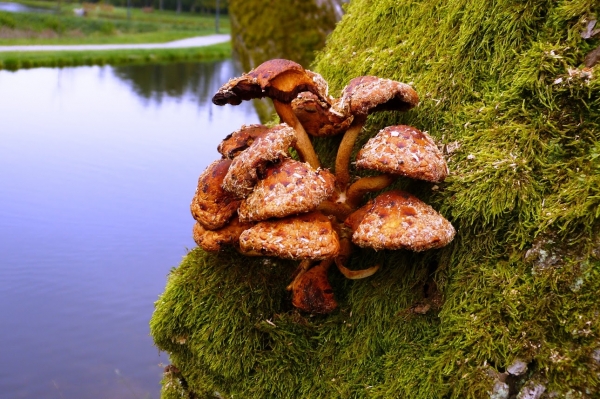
(99, 165)
(191, 80)
(16, 7)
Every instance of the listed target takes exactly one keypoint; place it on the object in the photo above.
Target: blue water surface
(98, 166)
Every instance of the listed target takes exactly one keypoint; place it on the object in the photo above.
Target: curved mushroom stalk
(303, 144)
(312, 293)
(342, 160)
(365, 185)
(345, 251)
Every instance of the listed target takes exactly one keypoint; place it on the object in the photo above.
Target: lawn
(102, 24)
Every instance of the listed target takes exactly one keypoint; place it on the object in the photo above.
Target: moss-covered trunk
(505, 90)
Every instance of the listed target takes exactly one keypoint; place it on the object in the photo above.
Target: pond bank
(133, 54)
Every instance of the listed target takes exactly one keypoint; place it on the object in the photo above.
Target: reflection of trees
(177, 80)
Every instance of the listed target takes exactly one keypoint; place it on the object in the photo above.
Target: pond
(99, 165)
(16, 7)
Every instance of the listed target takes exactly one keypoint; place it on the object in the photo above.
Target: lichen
(503, 89)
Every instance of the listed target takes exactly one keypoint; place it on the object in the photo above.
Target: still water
(98, 166)
(16, 7)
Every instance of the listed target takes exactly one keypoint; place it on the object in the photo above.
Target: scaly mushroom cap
(307, 236)
(318, 117)
(404, 150)
(277, 79)
(216, 240)
(397, 219)
(367, 94)
(239, 140)
(290, 187)
(268, 147)
(312, 292)
(212, 206)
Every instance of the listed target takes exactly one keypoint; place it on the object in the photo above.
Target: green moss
(503, 90)
(291, 29)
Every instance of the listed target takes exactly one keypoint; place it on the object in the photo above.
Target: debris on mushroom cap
(216, 240)
(306, 236)
(212, 206)
(318, 117)
(278, 79)
(239, 140)
(268, 147)
(312, 291)
(289, 187)
(397, 219)
(404, 150)
(367, 94)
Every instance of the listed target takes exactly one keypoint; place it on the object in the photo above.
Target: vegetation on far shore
(104, 24)
(22, 60)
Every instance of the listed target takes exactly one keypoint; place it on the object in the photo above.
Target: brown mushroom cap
(212, 206)
(239, 140)
(278, 79)
(306, 236)
(397, 219)
(290, 187)
(268, 147)
(367, 94)
(319, 117)
(216, 240)
(312, 291)
(404, 150)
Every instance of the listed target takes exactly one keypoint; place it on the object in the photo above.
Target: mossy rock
(504, 90)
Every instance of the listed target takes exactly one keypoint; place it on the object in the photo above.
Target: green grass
(103, 27)
(17, 60)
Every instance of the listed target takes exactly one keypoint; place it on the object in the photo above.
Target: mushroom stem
(300, 270)
(303, 144)
(345, 251)
(342, 160)
(365, 185)
(337, 209)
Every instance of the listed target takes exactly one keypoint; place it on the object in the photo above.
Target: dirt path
(199, 41)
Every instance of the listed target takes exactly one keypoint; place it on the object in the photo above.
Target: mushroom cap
(367, 94)
(289, 187)
(396, 220)
(239, 140)
(216, 240)
(278, 79)
(318, 117)
(268, 147)
(212, 206)
(312, 292)
(306, 236)
(404, 150)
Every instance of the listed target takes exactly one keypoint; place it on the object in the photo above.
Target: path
(198, 41)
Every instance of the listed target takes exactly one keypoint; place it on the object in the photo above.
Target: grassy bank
(103, 25)
(16, 60)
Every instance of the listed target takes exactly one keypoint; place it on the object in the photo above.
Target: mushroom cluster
(262, 201)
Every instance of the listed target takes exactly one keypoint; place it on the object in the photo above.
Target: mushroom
(280, 80)
(363, 96)
(307, 236)
(295, 210)
(312, 292)
(212, 206)
(398, 151)
(216, 240)
(238, 141)
(269, 146)
(397, 219)
(289, 187)
(319, 117)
